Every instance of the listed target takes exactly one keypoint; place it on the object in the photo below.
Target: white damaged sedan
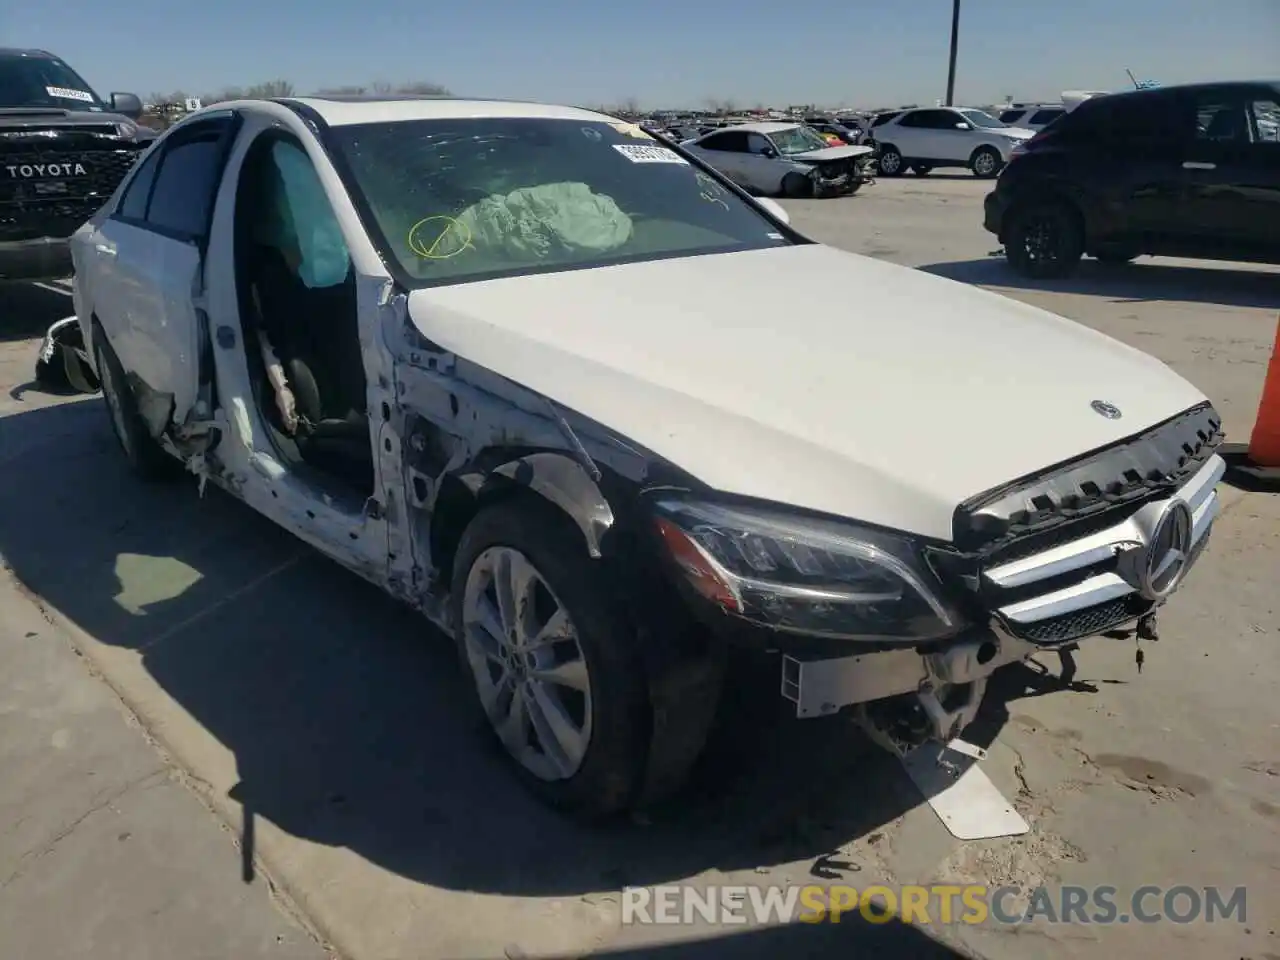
(540, 377)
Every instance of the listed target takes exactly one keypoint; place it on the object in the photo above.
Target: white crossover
(921, 140)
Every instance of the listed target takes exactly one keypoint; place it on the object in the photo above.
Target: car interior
(309, 316)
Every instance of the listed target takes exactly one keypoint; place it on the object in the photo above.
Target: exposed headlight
(800, 575)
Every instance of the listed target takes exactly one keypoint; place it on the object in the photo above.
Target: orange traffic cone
(1264, 442)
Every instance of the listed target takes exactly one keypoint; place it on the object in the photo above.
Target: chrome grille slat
(1093, 549)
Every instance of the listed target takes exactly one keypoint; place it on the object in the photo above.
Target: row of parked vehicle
(826, 156)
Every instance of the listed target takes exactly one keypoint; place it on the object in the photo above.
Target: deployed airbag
(533, 223)
(304, 216)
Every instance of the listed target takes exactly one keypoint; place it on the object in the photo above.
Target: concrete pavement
(322, 722)
(105, 852)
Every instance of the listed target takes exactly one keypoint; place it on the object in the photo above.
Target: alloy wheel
(984, 164)
(527, 663)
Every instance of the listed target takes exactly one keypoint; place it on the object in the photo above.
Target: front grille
(50, 193)
(1043, 557)
(1087, 622)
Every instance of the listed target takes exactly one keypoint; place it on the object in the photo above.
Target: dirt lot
(322, 723)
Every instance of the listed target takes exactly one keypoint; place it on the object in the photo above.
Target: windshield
(795, 140)
(43, 82)
(980, 119)
(480, 198)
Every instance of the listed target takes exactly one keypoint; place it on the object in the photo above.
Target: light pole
(955, 42)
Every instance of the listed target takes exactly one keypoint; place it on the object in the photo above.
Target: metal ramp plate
(963, 797)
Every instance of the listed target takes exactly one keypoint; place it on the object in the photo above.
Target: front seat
(312, 333)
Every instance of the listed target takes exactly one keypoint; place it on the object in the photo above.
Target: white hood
(1021, 133)
(830, 153)
(894, 411)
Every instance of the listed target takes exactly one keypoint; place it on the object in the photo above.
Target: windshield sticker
(592, 134)
(631, 130)
(66, 93)
(641, 154)
(774, 236)
(439, 237)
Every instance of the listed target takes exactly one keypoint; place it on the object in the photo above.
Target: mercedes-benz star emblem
(1161, 570)
(1110, 411)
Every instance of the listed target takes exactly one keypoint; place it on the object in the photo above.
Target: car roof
(26, 52)
(341, 110)
(763, 126)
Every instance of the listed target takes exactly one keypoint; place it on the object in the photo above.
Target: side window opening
(182, 197)
(133, 202)
(1221, 120)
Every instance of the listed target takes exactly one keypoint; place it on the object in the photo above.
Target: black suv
(63, 152)
(1184, 171)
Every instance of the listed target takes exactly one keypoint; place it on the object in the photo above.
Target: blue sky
(658, 52)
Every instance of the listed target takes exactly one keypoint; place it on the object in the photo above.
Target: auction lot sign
(676, 904)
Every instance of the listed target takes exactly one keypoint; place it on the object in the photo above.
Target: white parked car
(922, 140)
(408, 331)
(788, 159)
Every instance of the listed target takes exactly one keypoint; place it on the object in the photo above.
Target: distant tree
(222, 96)
(271, 88)
(422, 88)
(349, 91)
(629, 107)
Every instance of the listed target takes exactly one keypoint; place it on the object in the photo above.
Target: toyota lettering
(29, 171)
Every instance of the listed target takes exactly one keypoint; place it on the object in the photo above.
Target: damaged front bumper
(938, 693)
(910, 694)
(841, 177)
(62, 362)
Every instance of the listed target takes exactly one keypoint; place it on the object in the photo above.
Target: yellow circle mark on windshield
(430, 235)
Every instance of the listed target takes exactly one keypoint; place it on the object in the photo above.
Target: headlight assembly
(815, 577)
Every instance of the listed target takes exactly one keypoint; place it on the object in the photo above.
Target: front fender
(564, 482)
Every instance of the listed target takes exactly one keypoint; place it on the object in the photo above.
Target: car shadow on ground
(853, 938)
(1138, 282)
(346, 712)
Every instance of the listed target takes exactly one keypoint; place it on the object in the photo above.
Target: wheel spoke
(514, 728)
(571, 673)
(513, 584)
(491, 692)
(561, 741)
(557, 628)
(487, 623)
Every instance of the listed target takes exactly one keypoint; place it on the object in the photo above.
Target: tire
(921, 169)
(602, 774)
(147, 459)
(51, 375)
(1045, 241)
(854, 188)
(986, 163)
(796, 186)
(890, 161)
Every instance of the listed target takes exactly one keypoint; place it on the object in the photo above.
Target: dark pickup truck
(63, 152)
